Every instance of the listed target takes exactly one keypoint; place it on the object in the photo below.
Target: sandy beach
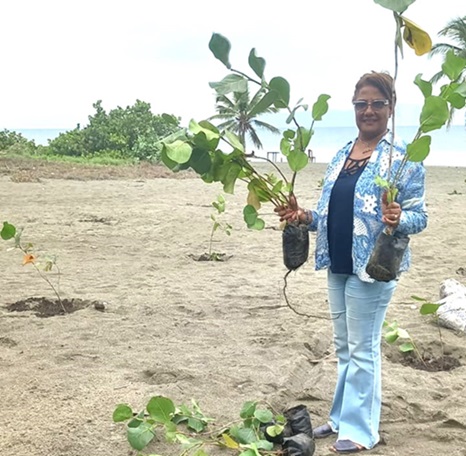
(218, 332)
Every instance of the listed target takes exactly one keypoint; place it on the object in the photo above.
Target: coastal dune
(217, 332)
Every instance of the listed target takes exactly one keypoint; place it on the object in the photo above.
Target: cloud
(61, 57)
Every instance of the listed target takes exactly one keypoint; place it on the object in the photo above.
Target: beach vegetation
(12, 142)
(122, 133)
(187, 426)
(239, 114)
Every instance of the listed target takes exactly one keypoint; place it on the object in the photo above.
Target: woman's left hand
(391, 212)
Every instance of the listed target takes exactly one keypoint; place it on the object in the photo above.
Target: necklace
(367, 144)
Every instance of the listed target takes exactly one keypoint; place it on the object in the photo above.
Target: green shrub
(130, 133)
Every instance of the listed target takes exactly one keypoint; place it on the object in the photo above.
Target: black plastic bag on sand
(299, 445)
(295, 239)
(298, 421)
(384, 263)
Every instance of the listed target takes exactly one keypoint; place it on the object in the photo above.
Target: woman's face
(371, 121)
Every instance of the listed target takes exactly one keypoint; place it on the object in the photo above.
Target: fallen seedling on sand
(48, 263)
(256, 433)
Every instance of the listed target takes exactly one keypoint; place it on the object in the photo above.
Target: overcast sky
(59, 57)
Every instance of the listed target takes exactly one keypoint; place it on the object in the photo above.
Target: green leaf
(297, 160)
(234, 140)
(403, 334)
(248, 453)
(282, 87)
(210, 131)
(407, 347)
(289, 134)
(391, 336)
(453, 65)
(456, 100)
(395, 5)
(303, 137)
(263, 445)
(425, 86)
(461, 89)
(139, 437)
(167, 161)
(429, 308)
(122, 412)
(196, 424)
(383, 183)
(178, 151)
(200, 161)
(285, 147)
(275, 430)
(434, 114)
(246, 435)
(264, 416)
(419, 149)
(250, 216)
(256, 63)
(8, 231)
(230, 177)
(220, 47)
(161, 409)
(264, 103)
(230, 83)
(320, 107)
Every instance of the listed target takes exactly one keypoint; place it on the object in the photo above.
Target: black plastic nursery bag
(295, 239)
(384, 263)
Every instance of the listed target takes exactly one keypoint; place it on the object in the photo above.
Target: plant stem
(51, 286)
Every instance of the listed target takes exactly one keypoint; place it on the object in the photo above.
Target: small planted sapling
(394, 333)
(48, 263)
(218, 224)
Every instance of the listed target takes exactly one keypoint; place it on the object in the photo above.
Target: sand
(217, 332)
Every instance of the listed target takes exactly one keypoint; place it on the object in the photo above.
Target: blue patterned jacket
(367, 222)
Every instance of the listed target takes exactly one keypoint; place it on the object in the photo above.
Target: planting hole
(45, 307)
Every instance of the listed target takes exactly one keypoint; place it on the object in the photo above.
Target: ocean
(448, 147)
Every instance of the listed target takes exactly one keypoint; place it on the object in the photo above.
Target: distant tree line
(129, 133)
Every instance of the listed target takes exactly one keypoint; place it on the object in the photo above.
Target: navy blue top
(340, 217)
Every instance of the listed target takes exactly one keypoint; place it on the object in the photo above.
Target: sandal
(346, 446)
(320, 432)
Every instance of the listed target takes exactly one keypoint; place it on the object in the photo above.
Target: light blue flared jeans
(358, 310)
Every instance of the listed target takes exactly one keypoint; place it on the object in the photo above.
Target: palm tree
(456, 31)
(238, 116)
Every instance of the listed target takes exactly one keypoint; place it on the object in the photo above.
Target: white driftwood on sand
(452, 312)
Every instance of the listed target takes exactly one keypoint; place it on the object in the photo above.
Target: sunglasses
(376, 105)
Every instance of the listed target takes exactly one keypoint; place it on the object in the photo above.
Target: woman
(351, 213)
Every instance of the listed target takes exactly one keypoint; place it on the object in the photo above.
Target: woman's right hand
(292, 212)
